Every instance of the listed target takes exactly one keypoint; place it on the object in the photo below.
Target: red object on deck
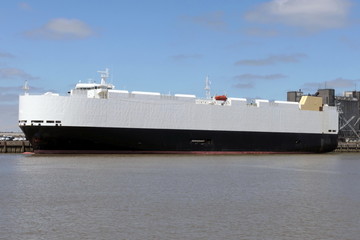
(221, 98)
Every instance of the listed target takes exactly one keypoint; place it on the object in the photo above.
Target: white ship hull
(118, 121)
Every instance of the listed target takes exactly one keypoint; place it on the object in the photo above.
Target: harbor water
(180, 196)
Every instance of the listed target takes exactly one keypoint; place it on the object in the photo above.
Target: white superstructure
(98, 105)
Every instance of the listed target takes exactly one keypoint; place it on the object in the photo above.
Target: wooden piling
(15, 146)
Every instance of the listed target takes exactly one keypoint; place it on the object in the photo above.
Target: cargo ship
(97, 118)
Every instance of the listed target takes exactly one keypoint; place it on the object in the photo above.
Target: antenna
(207, 87)
(26, 88)
(112, 74)
(104, 75)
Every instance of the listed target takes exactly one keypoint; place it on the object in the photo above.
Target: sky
(247, 48)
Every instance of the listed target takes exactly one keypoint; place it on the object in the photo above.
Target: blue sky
(248, 48)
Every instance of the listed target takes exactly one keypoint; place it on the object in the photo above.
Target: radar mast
(207, 88)
(104, 75)
(26, 88)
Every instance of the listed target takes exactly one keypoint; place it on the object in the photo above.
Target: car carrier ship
(97, 118)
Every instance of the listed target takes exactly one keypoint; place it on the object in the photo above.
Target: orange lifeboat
(221, 98)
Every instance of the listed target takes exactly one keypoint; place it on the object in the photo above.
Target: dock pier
(348, 147)
(15, 147)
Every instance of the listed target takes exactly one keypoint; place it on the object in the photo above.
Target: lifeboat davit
(221, 98)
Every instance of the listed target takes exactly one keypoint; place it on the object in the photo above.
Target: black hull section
(51, 139)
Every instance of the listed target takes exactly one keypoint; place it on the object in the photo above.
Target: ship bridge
(94, 90)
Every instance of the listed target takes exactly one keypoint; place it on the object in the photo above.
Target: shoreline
(25, 146)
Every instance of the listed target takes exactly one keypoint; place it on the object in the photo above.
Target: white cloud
(261, 32)
(61, 29)
(338, 83)
(15, 73)
(25, 6)
(247, 85)
(247, 77)
(9, 117)
(309, 15)
(214, 20)
(247, 81)
(352, 43)
(341, 83)
(180, 57)
(273, 59)
(8, 97)
(6, 55)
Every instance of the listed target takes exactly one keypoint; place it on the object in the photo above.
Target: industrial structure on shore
(348, 106)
